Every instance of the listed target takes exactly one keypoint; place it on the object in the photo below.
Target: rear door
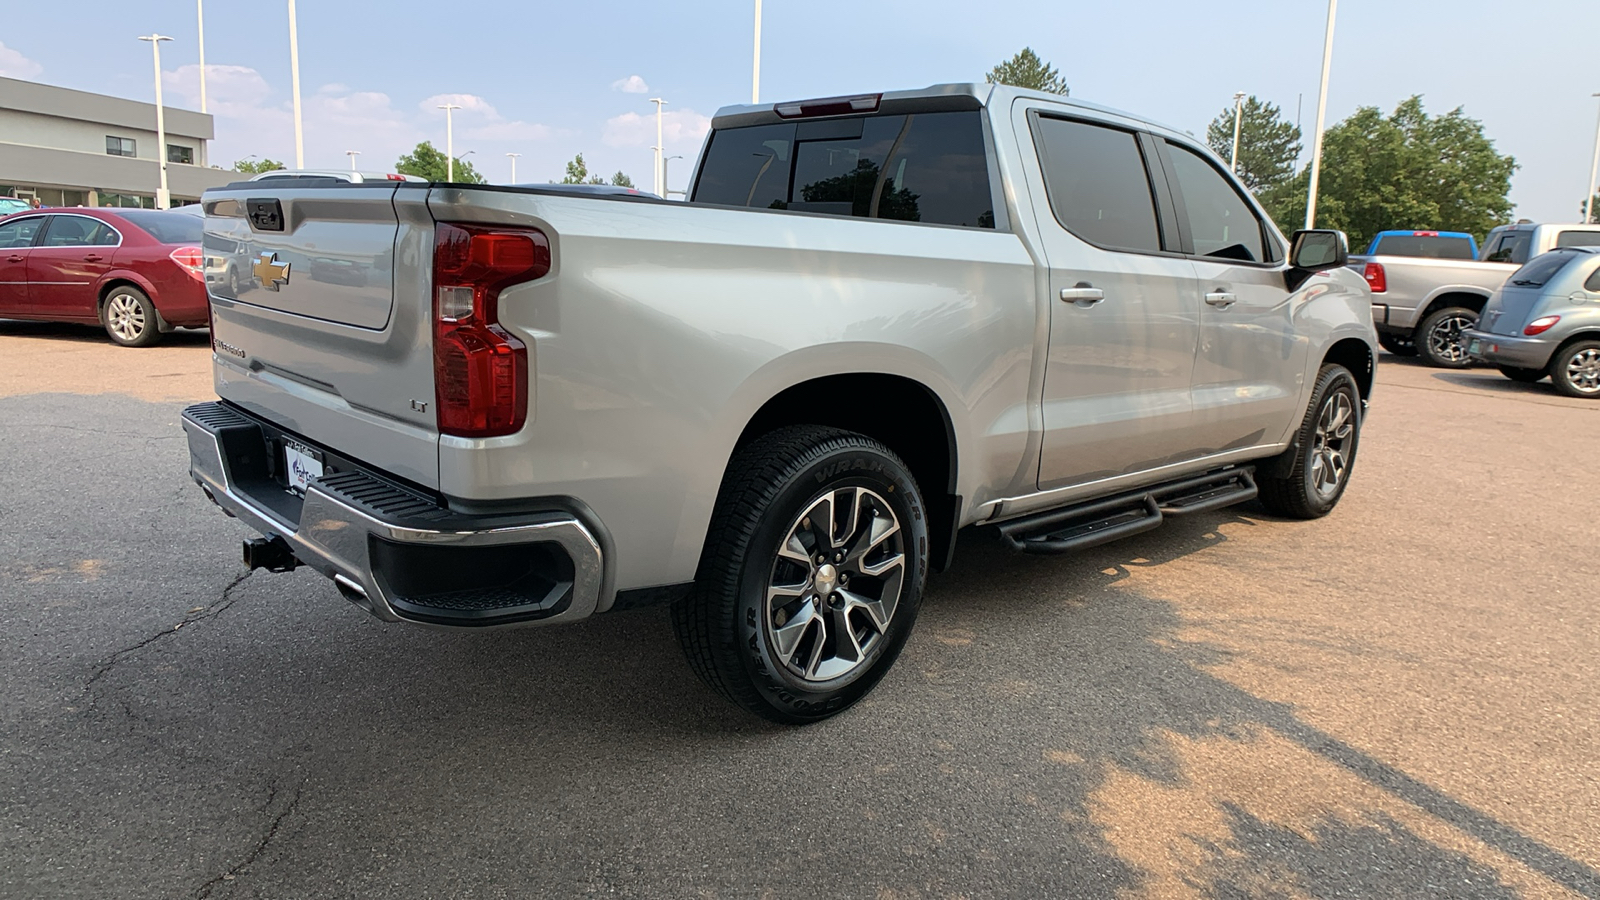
(1247, 367)
(65, 267)
(326, 330)
(1123, 316)
(16, 245)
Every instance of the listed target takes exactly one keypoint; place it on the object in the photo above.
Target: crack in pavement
(204, 891)
(222, 604)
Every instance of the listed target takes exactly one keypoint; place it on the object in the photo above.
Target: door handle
(1222, 299)
(93, 257)
(15, 257)
(1083, 294)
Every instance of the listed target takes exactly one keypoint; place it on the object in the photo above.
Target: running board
(1086, 525)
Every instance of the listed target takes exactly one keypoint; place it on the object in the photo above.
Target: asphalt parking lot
(1397, 701)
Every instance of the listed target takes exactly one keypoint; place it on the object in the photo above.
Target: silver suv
(1545, 321)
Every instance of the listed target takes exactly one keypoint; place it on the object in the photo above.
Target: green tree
(578, 173)
(1269, 144)
(257, 166)
(427, 161)
(1027, 70)
(1584, 210)
(621, 180)
(1404, 170)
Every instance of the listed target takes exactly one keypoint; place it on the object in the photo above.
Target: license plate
(302, 465)
(1475, 346)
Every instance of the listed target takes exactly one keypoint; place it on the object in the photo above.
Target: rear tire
(1324, 450)
(1397, 345)
(1439, 338)
(1522, 376)
(130, 318)
(811, 576)
(1575, 370)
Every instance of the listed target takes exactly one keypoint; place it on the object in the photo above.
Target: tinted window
(1593, 284)
(1509, 246)
(120, 146)
(1543, 268)
(179, 154)
(20, 232)
(1221, 224)
(1578, 239)
(1426, 246)
(168, 227)
(1098, 185)
(926, 167)
(78, 231)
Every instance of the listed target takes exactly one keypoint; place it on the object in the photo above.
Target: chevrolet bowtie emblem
(269, 272)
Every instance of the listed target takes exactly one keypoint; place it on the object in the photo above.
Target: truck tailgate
(321, 316)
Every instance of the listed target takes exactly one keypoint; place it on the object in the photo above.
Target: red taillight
(1540, 326)
(1376, 278)
(480, 371)
(193, 259)
(828, 106)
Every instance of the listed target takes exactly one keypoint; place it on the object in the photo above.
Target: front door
(16, 244)
(1124, 313)
(1250, 360)
(65, 267)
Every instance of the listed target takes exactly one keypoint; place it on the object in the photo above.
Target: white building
(73, 148)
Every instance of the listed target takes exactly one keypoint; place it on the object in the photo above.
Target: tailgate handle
(265, 214)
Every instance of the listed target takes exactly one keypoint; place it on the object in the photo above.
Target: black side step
(1085, 525)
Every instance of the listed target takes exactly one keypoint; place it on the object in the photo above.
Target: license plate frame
(301, 465)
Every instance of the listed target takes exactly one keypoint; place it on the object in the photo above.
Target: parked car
(335, 174)
(9, 205)
(1546, 322)
(1422, 305)
(876, 320)
(136, 272)
(1426, 244)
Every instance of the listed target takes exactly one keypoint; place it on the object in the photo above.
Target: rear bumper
(394, 551)
(1509, 350)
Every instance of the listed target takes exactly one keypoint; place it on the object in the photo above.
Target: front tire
(811, 576)
(1440, 339)
(1575, 370)
(130, 318)
(1324, 450)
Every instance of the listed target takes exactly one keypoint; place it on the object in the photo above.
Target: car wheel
(811, 576)
(1575, 370)
(1521, 375)
(1324, 450)
(130, 318)
(1439, 338)
(1398, 345)
(233, 282)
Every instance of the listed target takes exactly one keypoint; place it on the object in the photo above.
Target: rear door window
(1578, 239)
(78, 231)
(923, 167)
(1098, 184)
(167, 226)
(1221, 224)
(1426, 246)
(1543, 268)
(19, 233)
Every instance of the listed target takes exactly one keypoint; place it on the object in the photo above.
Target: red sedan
(139, 273)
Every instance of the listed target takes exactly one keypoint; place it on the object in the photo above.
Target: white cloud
(679, 128)
(633, 84)
(14, 65)
(333, 88)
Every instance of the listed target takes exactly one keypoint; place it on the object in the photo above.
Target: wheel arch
(1446, 297)
(114, 280)
(1356, 355)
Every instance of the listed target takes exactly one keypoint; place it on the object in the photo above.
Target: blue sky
(548, 80)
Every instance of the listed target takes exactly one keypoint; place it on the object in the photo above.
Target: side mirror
(1317, 250)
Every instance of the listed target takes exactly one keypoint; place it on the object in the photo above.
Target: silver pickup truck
(878, 320)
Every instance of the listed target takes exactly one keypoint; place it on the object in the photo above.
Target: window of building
(1097, 183)
(179, 154)
(120, 146)
(1221, 224)
(126, 201)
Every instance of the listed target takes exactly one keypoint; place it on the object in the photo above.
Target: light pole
(513, 166)
(352, 154)
(1238, 114)
(294, 80)
(755, 73)
(200, 16)
(666, 182)
(449, 141)
(659, 147)
(1594, 171)
(163, 198)
(1322, 117)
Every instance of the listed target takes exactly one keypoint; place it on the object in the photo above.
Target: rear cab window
(1098, 184)
(928, 167)
(1426, 246)
(1578, 239)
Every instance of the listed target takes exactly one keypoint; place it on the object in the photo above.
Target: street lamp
(352, 154)
(1238, 113)
(659, 144)
(1594, 171)
(294, 80)
(513, 166)
(200, 16)
(755, 74)
(666, 182)
(449, 141)
(1322, 117)
(163, 198)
